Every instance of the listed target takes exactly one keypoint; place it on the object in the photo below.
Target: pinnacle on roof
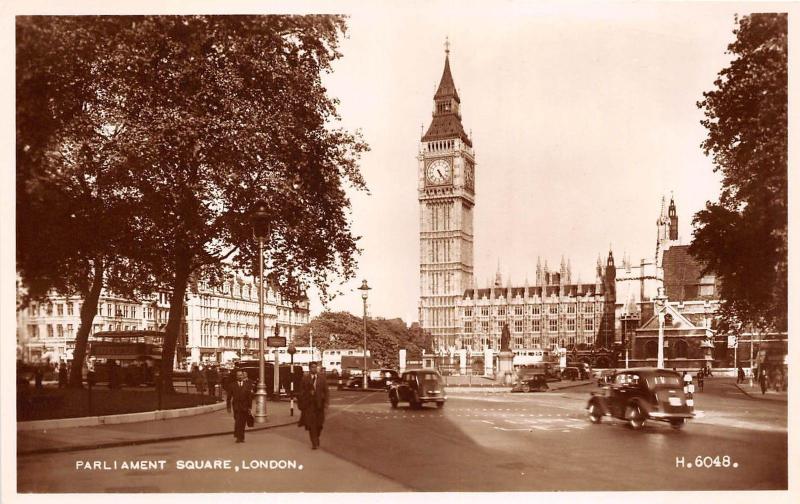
(447, 88)
(446, 123)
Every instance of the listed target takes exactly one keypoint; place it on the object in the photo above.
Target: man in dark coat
(313, 401)
(240, 396)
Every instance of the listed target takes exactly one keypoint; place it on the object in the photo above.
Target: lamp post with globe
(364, 294)
(260, 222)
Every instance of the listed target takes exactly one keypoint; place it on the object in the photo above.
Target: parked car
(531, 383)
(640, 394)
(417, 387)
(376, 378)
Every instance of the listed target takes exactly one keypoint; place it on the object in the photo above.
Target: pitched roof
(447, 88)
(446, 125)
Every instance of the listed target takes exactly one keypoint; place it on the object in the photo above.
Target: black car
(639, 394)
(417, 387)
(376, 378)
(532, 383)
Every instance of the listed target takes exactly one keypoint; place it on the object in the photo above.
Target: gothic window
(60, 309)
(518, 341)
(468, 312)
(536, 309)
(485, 311)
(553, 325)
(536, 325)
(571, 308)
(588, 324)
(518, 310)
(501, 311)
(651, 350)
(553, 309)
(518, 326)
(468, 326)
(485, 326)
(571, 324)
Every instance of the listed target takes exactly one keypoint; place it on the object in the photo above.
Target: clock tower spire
(446, 194)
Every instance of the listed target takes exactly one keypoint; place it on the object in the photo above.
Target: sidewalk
(106, 436)
(754, 392)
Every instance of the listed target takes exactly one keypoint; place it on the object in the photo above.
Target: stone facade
(446, 173)
(219, 323)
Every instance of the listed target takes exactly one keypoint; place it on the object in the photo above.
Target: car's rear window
(429, 376)
(664, 380)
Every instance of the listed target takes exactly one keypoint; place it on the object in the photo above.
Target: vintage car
(417, 387)
(639, 394)
(531, 383)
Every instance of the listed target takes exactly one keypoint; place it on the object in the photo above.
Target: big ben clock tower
(446, 196)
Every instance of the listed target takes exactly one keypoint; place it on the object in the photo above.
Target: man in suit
(313, 401)
(240, 396)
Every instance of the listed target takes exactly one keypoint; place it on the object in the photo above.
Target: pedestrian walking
(62, 375)
(700, 379)
(762, 380)
(313, 402)
(198, 379)
(38, 376)
(239, 398)
(212, 378)
(113, 375)
(740, 375)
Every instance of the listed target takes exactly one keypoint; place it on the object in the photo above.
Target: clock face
(469, 175)
(438, 171)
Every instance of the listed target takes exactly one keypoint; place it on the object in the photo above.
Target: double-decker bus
(138, 354)
(530, 361)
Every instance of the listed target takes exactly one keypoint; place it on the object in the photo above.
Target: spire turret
(446, 123)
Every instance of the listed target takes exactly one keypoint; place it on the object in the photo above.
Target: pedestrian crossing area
(496, 418)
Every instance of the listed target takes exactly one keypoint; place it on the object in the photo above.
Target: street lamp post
(260, 231)
(661, 303)
(292, 351)
(364, 294)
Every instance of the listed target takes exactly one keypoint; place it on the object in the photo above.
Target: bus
(531, 356)
(138, 354)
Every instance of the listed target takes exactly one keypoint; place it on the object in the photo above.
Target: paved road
(478, 442)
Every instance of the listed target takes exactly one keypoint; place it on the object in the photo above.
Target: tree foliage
(385, 337)
(203, 116)
(742, 238)
(73, 221)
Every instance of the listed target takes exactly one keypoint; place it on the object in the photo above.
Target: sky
(582, 118)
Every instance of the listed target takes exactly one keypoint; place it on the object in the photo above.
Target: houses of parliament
(554, 311)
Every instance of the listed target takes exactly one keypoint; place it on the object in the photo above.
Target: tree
(742, 238)
(222, 111)
(72, 219)
(173, 126)
(385, 337)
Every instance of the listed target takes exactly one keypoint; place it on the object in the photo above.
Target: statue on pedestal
(505, 339)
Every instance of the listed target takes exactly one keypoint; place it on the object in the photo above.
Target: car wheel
(440, 404)
(635, 416)
(393, 400)
(595, 415)
(526, 388)
(677, 423)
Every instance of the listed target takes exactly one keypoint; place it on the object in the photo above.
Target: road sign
(276, 341)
